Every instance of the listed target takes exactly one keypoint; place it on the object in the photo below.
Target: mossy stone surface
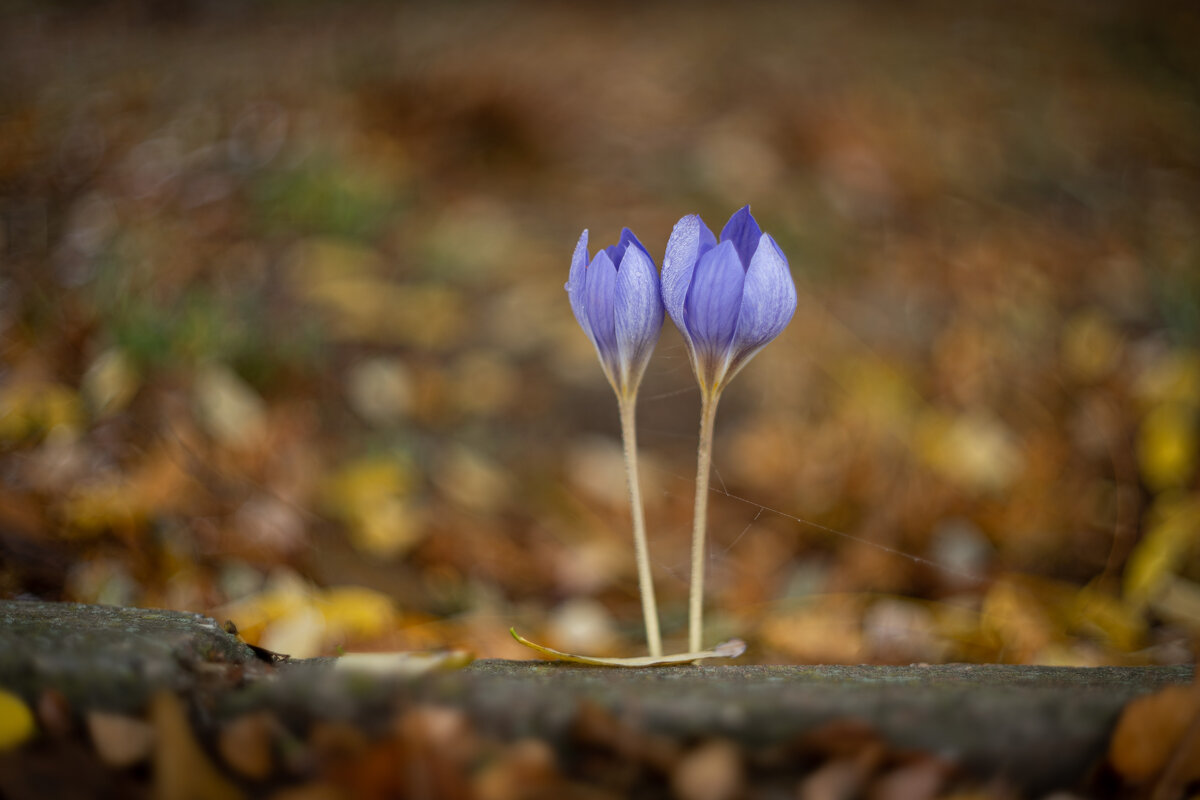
(108, 657)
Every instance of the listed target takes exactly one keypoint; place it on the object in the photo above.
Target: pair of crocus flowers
(729, 297)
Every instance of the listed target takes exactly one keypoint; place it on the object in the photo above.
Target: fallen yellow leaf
(1166, 446)
(355, 611)
(731, 649)
(1163, 549)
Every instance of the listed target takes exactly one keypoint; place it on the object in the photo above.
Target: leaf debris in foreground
(403, 664)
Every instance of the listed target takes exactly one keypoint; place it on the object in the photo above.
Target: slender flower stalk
(617, 300)
(728, 298)
(628, 408)
(708, 416)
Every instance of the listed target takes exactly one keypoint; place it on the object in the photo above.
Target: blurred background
(283, 335)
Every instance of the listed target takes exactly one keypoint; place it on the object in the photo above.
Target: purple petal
(713, 302)
(689, 240)
(744, 232)
(628, 238)
(599, 295)
(768, 300)
(575, 282)
(614, 252)
(617, 251)
(639, 313)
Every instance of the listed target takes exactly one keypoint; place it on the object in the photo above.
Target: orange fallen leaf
(1151, 729)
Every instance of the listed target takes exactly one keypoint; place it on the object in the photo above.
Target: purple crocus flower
(618, 302)
(728, 298)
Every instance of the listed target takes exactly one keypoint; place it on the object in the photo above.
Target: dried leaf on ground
(1151, 730)
(731, 649)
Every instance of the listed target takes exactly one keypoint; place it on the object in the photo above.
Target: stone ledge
(1039, 727)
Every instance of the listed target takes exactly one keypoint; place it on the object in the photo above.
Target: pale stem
(642, 553)
(708, 413)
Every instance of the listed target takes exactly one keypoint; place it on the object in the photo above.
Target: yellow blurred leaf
(1166, 445)
(27, 409)
(285, 593)
(974, 450)
(1170, 535)
(111, 505)
(386, 529)
(299, 633)
(1121, 625)
(731, 649)
(1016, 622)
(364, 482)
(356, 611)
(1037, 620)
(297, 619)
(16, 721)
(958, 627)
(369, 496)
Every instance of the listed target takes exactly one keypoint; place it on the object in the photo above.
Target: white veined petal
(768, 301)
(576, 280)
(639, 313)
(689, 240)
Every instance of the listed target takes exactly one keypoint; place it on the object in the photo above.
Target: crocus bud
(728, 298)
(618, 303)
